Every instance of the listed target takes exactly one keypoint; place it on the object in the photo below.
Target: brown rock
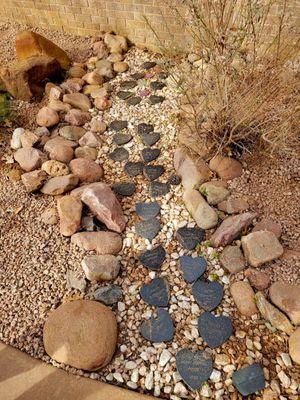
(86, 170)
(49, 216)
(60, 149)
(59, 106)
(33, 180)
(90, 139)
(76, 72)
(93, 78)
(204, 215)
(55, 168)
(29, 158)
(260, 280)
(287, 297)
(42, 131)
(29, 139)
(47, 117)
(105, 68)
(115, 57)
(73, 85)
(294, 346)
(89, 89)
(78, 100)
(231, 228)
(69, 211)
(269, 225)
(100, 50)
(227, 168)
(214, 192)
(233, 206)
(55, 93)
(81, 333)
(71, 132)
(102, 103)
(77, 117)
(101, 268)
(98, 92)
(243, 297)
(102, 242)
(120, 66)
(58, 140)
(98, 126)
(86, 152)
(60, 185)
(115, 43)
(261, 247)
(232, 259)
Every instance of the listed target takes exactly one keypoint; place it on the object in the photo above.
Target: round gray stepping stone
(159, 328)
(149, 139)
(158, 189)
(148, 229)
(156, 99)
(157, 85)
(134, 168)
(120, 154)
(118, 125)
(214, 330)
(194, 367)
(147, 210)
(174, 180)
(144, 128)
(134, 101)
(156, 293)
(138, 75)
(148, 65)
(192, 267)
(124, 188)
(189, 238)
(122, 138)
(249, 380)
(108, 295)
(128, 85)
(162, 75)
(149, 154)
(208, 295)
(124, 95)
(153, 259)
(153, 172)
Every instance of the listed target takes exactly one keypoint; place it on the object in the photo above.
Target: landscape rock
(101, 268)
(47, 117)
(93, 78)
(29, 139)
(192, 267)
(119, 154)
(59, 151)
(90, 139)
(286, 297)
(260, 280)
(149, 139)
(29, 158)
(33, 180)
(204, 215)
(115, 43)
(76, 71)
(249, 380)
(102, 242)
(105, 68)
(77, 117)
(100, 49)
(134, 168)
(55, 168)
(73, 85)
(108, 295)
(233, 206)
(15, 142)
(69, 211)
(120, 66)
(243, 297)
(55, 93)
(60, 185)
(214, 191)
(153, 172)
(59, 106)
(148, 229)
(86, 170)
(102, 103)
(232, 259)
(78, 100)
(97, 126)
(227, 168)
(269, 225)
(86, 152)
(294, 346)
(73, 282)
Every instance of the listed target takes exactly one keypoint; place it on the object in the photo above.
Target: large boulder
(204, 215)
(101, 242)
(287, 297)
(81, 333)
(69, 211)
(30, 44)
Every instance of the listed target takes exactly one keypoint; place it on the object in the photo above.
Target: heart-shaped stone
(124, 95)
(249, 380)
(153, 172)
(194, 367)
(149, 139)
(208, 295)
(134, 101)
(158, 189)
(153, 258)
(124, 188)
(148, 229)
(117, 125)
(159, 328)
(156, 293)
(122, 138)
(192, 267)
(190, 237)
(149, 154)
(119, 154)
(147, 210)
(156, 99)
(128, 85)
(214, 330)
(143, 128)
(133, 168)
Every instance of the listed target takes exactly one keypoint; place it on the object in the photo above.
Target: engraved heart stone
(214, 330)
(153, 258)
(208, 295)
(158, 328)
(156, 293)
(249, 380)
(192, 267)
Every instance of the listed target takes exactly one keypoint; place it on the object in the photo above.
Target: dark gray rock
(122, 138)
(189, 238)
(153, 172)
(249, 380)
(108, 295)
(149, 139)
(128, 85)
(214, 330)
(157, 85)
(138, 75)
(120, 154)
(148, 65)
(162, 75)
(118, 125)
(124, 188)
(124, 95)
(192, 267)
(148, 229)
(156, 293)
(174, 180)
(144, 128)
(158, 189)
(153, 259)
(134, 101)
(147, 210)
(159, 328)
(194, 367)
(156, 99)
(208, 295)
(149, 154)
(134, 168)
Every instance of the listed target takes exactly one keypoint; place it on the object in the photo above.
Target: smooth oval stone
(120, 154)
(208, 295)
(149, 154)
(124, 95)
(149, 139)
(214, 330)
(157, 85)
(138, 75)
(122, 138)
(153, 259)
(147, 210)
(156, 293)
(158, 189)
(134, 101)
(148, 65)
(118, 125)
(189, 238)
(153, 172)
(249, 380)
(148, 229)
(108, 295)
(194, 367)
(192, 267)
(159, 328)
(134, 168)
(144, 128)
(124, 188)
(128, 85)
(156, 99)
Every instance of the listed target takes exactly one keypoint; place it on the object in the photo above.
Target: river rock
(77, 117)
(101, 268)
(100, 50)
(29, 139)
(60, 149)
(98, 126)
(69, 211)
(67, 328)
(227, 168)
(102, 242)
(29, 158)
(269, 225)
(294, 346)
(15, 142)
(286, 297)
(55, 168)
(59, 106)
(33, 180)
(233, 206)
(90, 139)
(86, 170)
(86, 152)
(204, 215)
(60, 185)
(120, 66)
(47, 117)
(102, 103)
(214, 191)
(93, 78)
(243, 297)
(260, 280)
(78, 100)
(232, 259)
(105, 68)
(249, 380)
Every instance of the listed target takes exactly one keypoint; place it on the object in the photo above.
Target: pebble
(128, 85)
(144, 129)
(108, 295)
(164, 358)
(134, 101)
(124, 95)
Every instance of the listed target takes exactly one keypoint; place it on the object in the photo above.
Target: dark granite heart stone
(162, 75)
(144, 128)
(118, 125)
(153, 172)
(158, 189)
(148, 65)
(148, 229)
(149, 154)
(128, 85)
(194, 367)
(159, 328)
(147, 210)
(156, 99)
(124, 95)
(108, 295)
(192, 267)
(120, 154)
(124, 188)
(153, 259)
(134, 101)
(149, 139)
(249, 380)
(214, 330)
(122, 138)
(157, 85)
(174, 180)
(134, 168)
(189, 238)
(138, 75)
(208, 295)
(156, 293)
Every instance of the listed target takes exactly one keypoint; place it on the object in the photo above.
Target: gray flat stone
(128, 85)
(159, 328)
(134, 101)
(249, 380)
(144, 128)
(208, 295)
(124, 95)
(122, 138)
(156, 293)
(156, 99)
(149, 139)
(154, 258)
(149, 154)
(118, 125)
(120, 154)
(124, 188)
(214, 330)
(157, 85)
(153, 172)
(189, 238)
(158, 189)
(148, 228)
(148, 65)
(147, 210)
(108, 295)
(192, 267)
(138, 75)
(134, 168)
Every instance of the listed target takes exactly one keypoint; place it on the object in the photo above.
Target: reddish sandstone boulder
(86, 170)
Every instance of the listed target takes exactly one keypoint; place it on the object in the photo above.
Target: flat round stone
(120, 154)
(134, 101)
(124, 188)
(149, 139)
(148, 65)
(157, 85)
(128, 85)
(147, 210)
(153, 172)
(158, 189)
(156, 293)
(189, 238)
(122, 138)
(156, 99)
(124, 95)
(149, 154)
(134, 168)
(192, 267)
(137, 76)
(108, 295)
(249, 380)
(214, 330)
(153, 259)
(148, 229)
(159, 328)
(118, 125)
(208, 295)
(144, 128)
